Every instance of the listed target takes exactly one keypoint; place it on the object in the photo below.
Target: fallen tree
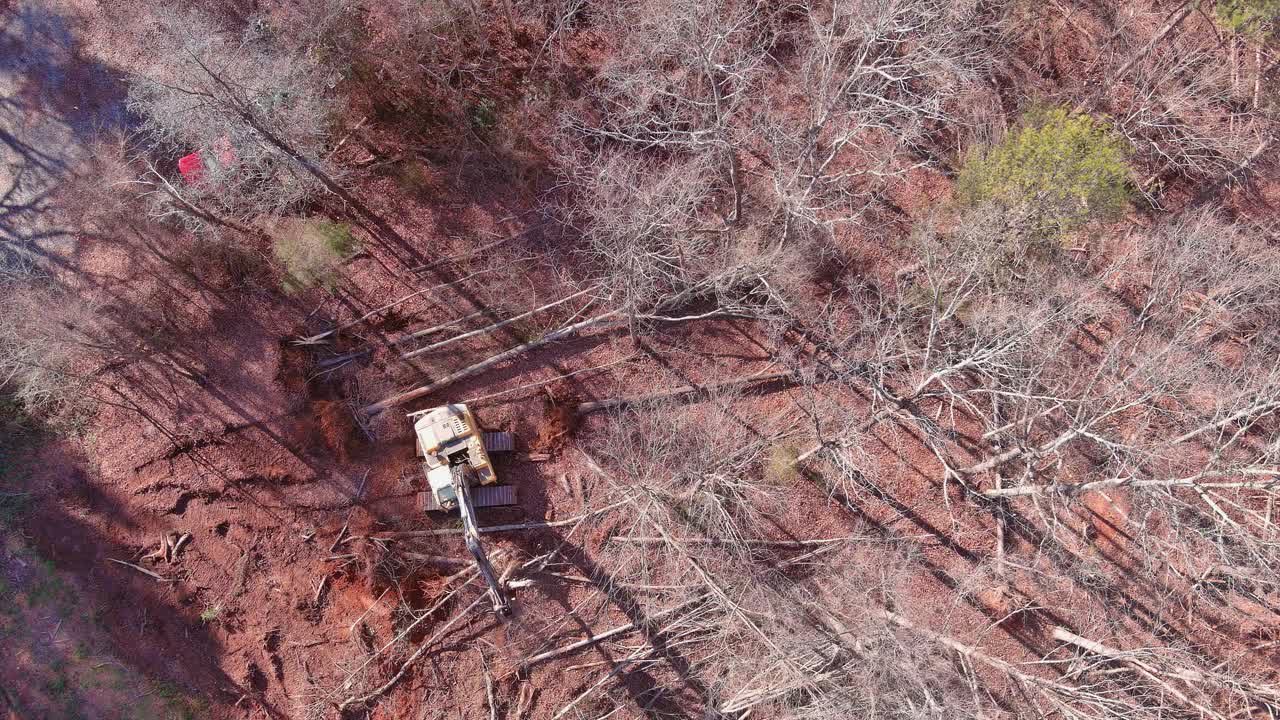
(407, 337)
(404, 667)
(495, 326)
(1195, 481)
(324, 336)
(624, 314)
(512, 527)
(560, 334)
(684, 391)
(1162, 673)
(482, 399)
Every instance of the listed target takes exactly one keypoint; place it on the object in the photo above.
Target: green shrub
(18, 432)
(13, 506)
(311, 251)
(1064, 169)
(483, 115)
(57, 686)
(413, 177)
(780, 467)
(1249, 17)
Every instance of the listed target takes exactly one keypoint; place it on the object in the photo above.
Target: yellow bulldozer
(460, 475)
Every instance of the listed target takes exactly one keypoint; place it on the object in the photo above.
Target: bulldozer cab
(449, 437)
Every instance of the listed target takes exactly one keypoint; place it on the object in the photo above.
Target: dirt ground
(247, 445)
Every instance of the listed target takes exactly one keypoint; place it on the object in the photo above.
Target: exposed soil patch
(1108, 519)
(559, 421)
(336, 428)
(295, 364)
(423, 591)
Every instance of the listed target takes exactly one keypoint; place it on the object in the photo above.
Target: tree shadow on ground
(99, 639)
(54, 104)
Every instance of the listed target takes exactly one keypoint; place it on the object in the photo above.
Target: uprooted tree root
(560, 420)
(336, 428)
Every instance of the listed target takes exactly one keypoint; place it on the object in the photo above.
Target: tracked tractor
(461, 476)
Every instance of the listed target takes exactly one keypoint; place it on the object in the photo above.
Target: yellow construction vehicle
(460, 475)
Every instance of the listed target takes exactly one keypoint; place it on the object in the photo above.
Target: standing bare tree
(641, 220)
(684, 78)
(257, 110)
(41, 362)
(872, 78)
(1179, 116)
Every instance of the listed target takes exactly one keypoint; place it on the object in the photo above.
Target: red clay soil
(336, 426)
(560, 419)
(278, 597)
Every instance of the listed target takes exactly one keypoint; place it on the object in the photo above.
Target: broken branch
(142, 570)
(382, 689)
(495, 326)
(562, 333)
(763, 377)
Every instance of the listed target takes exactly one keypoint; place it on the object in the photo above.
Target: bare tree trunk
(1257, 74)
(1236, 174)
(1162, 675)
(1234, 42)
(481, 399)
(971, 652)
(593, 406)
(1271, 506)
(512, 527)
(1016, 452)
(999, 513)
(736, 180)
(422, 648)
(1180, 14)
(1140, 667)
(1262, 408)
(1193, 482)
(198, 211)
(562, 333)
(495, 326)
(474, 251)
(314, 339)
(352, 323)
(434, 328)
(593, 639)
(511, 20)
